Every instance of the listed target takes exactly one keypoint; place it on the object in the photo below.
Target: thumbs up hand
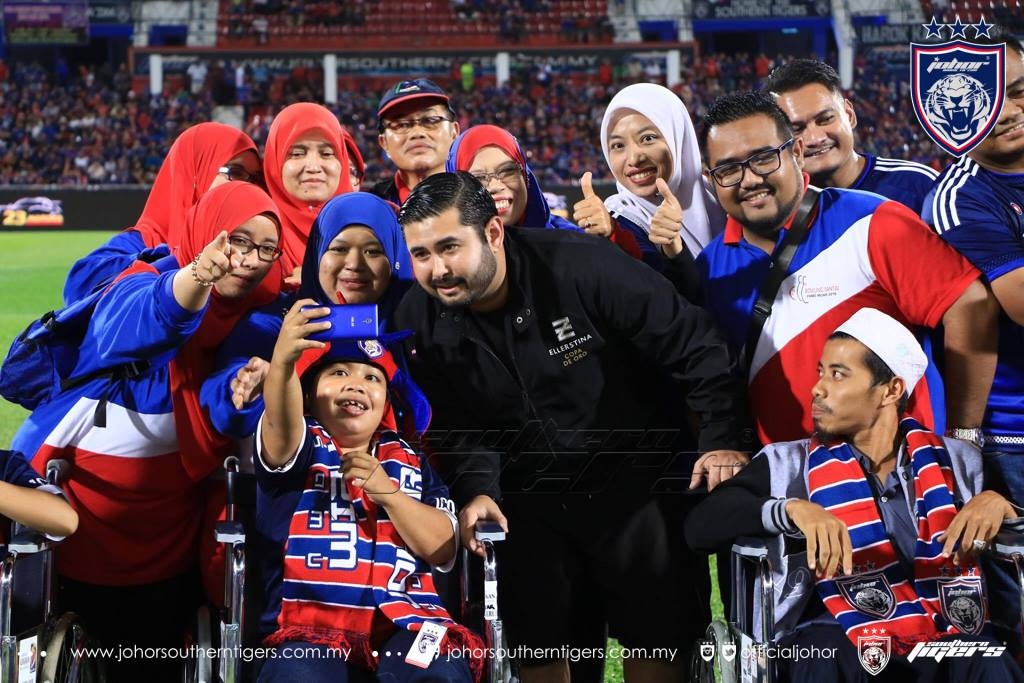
(666, 222)
(589, 213)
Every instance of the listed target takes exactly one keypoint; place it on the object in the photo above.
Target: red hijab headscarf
(297, 216)
(478, 137)
(225, 207)
(189, 168)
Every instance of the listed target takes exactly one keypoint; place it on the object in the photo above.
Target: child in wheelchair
(873, 528)
(27, 498)
(358, 519)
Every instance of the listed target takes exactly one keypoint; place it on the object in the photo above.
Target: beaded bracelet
(195, 275)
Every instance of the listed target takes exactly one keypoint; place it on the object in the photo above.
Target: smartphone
(488, 530)
(348, 322)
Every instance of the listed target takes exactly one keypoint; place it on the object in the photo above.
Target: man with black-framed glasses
(416, 126)
(859, 250)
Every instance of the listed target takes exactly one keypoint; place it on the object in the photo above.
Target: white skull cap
(891, 341)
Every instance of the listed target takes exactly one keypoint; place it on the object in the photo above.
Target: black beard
(476, 284)
(824, 436)
(770, 228)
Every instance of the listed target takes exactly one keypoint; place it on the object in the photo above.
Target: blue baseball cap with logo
(406, 91)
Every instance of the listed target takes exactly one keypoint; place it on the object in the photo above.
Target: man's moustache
(444, 284)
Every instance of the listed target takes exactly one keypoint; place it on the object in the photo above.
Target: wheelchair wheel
(720, 635)
(198, 665)
(65, 660)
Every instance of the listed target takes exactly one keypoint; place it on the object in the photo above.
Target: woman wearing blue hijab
(356, 249)
(355, 254)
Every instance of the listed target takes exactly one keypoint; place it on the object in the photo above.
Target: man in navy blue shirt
(810, 93)
(978, 207)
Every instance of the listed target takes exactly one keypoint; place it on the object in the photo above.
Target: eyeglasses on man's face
(264, 252)
(427, 123)
(238, 172)
(505, 174)
(762, 164)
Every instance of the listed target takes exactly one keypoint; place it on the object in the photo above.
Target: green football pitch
(32, 270)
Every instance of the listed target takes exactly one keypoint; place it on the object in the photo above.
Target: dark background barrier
(99, 208)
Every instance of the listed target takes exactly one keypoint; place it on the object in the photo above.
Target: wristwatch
(972, 434)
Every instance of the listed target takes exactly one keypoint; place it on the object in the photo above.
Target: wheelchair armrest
(29, 542)
(750, 546)
(230, 532)
(1008, 543)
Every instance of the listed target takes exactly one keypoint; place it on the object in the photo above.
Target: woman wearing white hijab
(651, 148)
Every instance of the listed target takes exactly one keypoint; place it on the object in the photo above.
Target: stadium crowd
(97, 130)
(827, 340)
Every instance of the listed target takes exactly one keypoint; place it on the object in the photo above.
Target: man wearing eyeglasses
(859, 250)
(416, 126)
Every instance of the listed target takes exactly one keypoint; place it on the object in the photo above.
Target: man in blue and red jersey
(978, 207)
(417, 126)
(811, 95)
(859, 251)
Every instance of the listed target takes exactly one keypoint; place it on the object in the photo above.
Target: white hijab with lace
(703, 218)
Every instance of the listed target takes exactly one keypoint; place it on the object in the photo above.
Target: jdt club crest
(869, 593)
(963, 603)
(957, 87)
(873, 649)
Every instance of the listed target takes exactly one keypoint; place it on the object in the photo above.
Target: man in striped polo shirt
(858, 251)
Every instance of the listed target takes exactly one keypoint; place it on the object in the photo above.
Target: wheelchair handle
(8, 642)
(57, 471)
(231, 468)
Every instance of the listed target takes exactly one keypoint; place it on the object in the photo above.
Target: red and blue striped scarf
(365, 583)
(941, 598)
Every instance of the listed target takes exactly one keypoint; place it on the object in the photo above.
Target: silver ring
(979, 544)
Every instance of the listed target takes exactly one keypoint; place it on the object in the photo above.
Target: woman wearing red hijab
(141, 446)
(201, 158)
(305, 164)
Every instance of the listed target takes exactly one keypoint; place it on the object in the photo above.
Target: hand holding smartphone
(348, 322)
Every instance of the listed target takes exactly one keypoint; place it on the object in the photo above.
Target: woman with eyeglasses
(493, 156)
(140, 445)
(652, 150)
(357, 255)
(305, 163)
(201, 158)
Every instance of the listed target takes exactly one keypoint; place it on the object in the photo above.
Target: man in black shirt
(561, 347)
